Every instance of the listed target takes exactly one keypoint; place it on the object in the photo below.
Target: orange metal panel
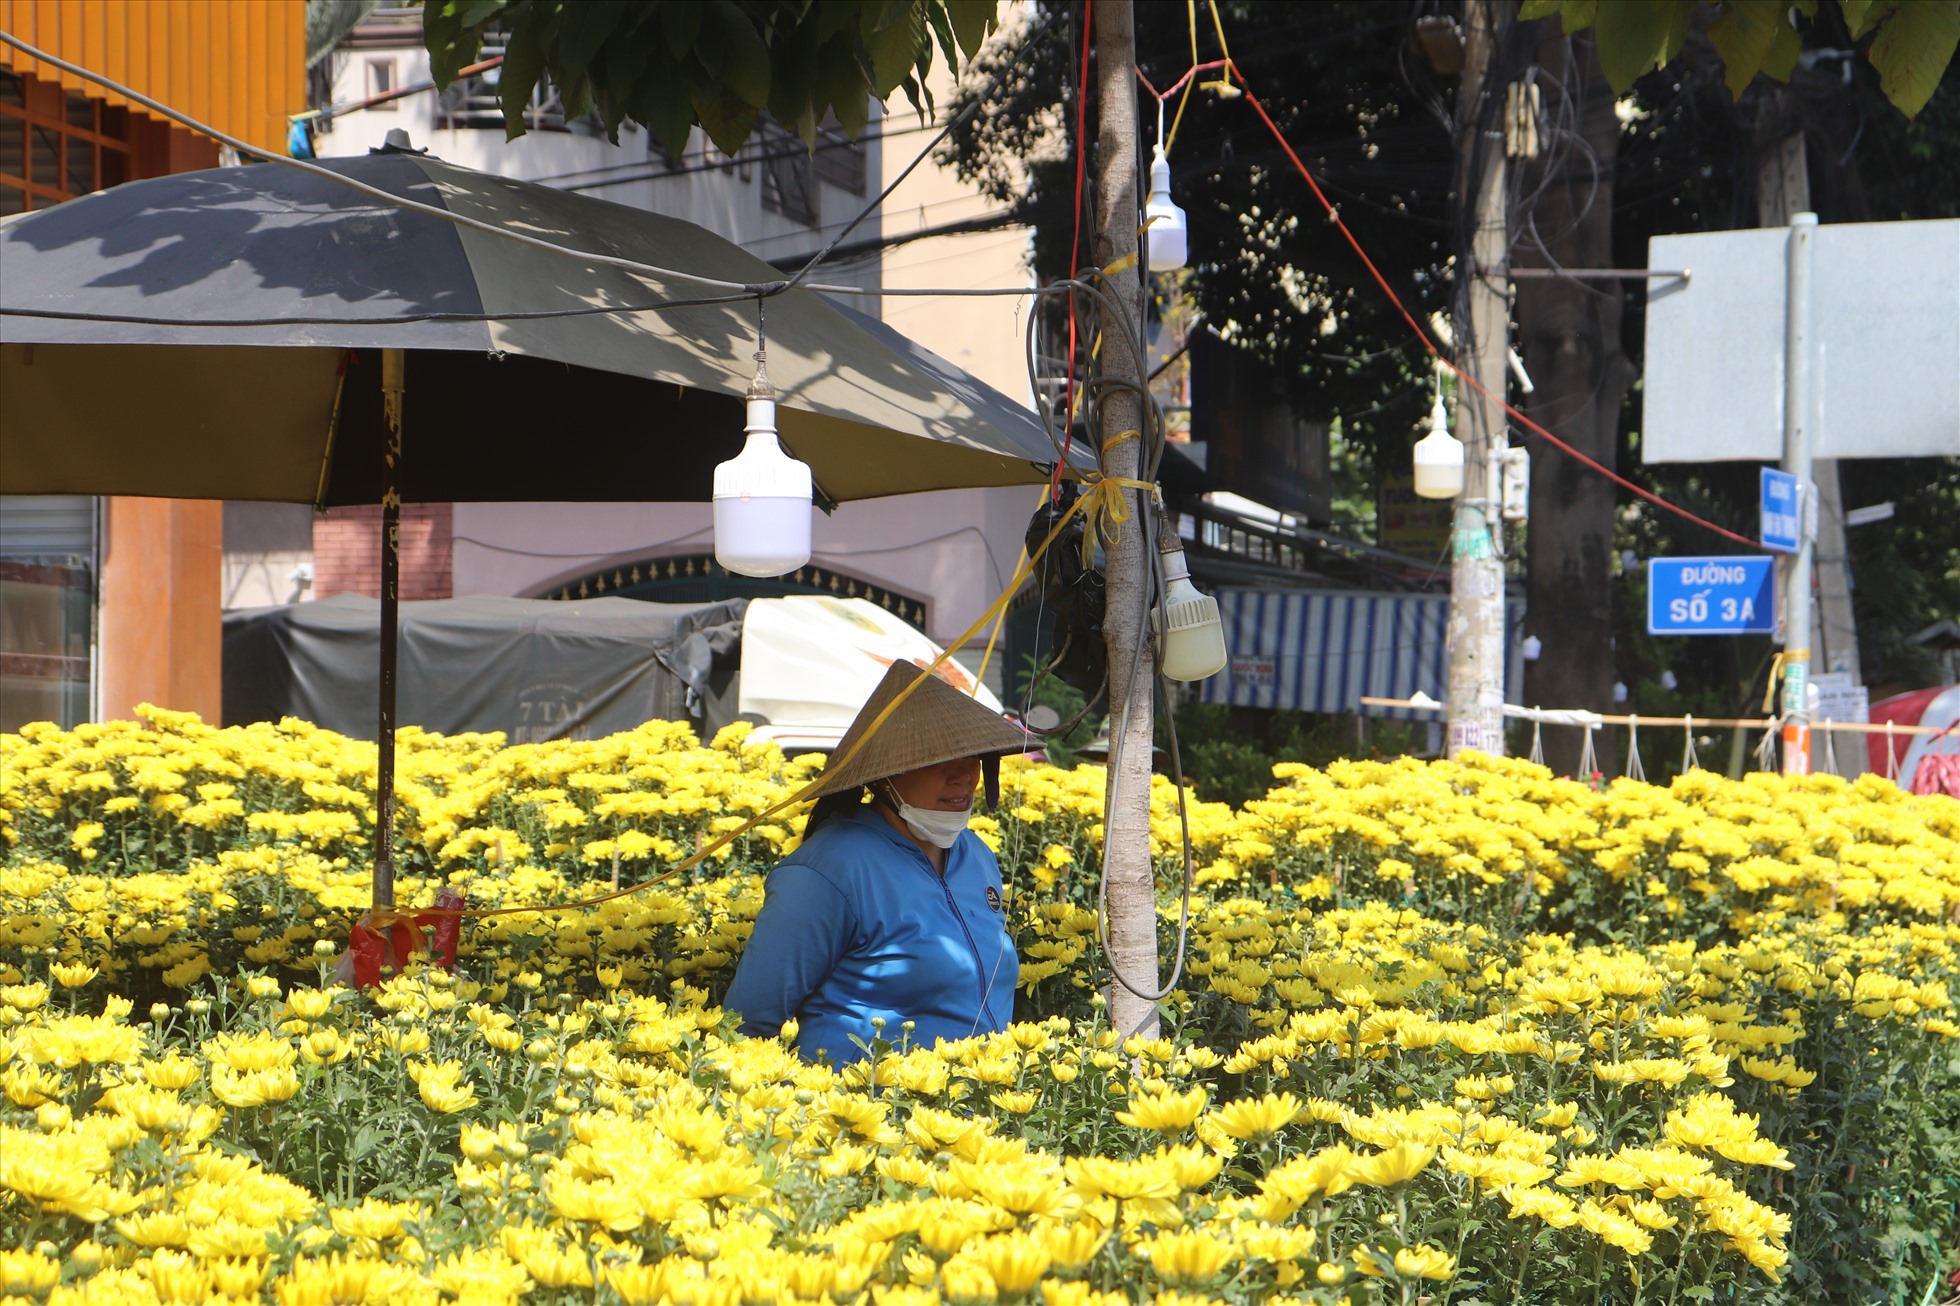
(239, 65)
(259, 93)
(115, 34)
(95, 38)
(68, 39)
(183, 69)
(198, 16)
(145, 62)
(242, 71)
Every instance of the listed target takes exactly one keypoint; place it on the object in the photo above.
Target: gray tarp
(532, 668)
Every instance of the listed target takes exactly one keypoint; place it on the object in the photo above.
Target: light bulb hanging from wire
(1190, 634)
(1165, 232)
(1439, 456)
(762, 495)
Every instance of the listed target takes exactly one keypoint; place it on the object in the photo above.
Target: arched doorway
(698, 578)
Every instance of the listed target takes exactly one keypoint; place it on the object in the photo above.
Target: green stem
(1526, 1242)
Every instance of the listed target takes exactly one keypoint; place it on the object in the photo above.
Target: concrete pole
(1799, 352)
(1476, 623)
(1132, 903)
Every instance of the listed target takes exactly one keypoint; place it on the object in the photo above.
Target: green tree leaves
(672, 64)
(1912, 41)
(1914, 45)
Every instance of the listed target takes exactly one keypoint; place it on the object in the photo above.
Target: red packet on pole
(445, 928)
(383, 940)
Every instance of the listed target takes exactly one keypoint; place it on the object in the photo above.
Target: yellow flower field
(1448, 1032)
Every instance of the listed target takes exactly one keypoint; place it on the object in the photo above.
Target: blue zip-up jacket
(857, 924)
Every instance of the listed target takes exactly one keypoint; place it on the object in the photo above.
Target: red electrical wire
(1461, 375)
(1178, 85)
(1074, 253)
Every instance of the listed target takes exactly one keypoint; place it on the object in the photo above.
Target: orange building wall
(161, 625)
(238, 65)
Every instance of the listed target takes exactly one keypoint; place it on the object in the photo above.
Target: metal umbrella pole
(393, 385)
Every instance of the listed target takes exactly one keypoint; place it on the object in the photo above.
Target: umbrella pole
(392, 386)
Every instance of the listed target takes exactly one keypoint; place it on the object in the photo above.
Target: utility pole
(1132, 901)
(1476, 624)
(1799, 354)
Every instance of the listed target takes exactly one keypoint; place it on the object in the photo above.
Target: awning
(1321, 651)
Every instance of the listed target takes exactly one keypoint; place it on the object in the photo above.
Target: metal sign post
(1799, 413)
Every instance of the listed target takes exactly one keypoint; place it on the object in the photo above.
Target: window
(55, 145)
(381, 81)
(789, 180)
(839, 160)
(474, 102)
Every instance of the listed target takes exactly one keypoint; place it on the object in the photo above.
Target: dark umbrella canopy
(129, 389)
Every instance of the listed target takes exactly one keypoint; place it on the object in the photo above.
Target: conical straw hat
(936, 723)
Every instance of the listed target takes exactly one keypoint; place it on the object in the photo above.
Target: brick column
(347, 551)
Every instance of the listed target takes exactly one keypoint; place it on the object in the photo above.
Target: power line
(991, 222)
(652, 170)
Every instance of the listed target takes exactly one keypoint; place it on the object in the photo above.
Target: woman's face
(946, 786)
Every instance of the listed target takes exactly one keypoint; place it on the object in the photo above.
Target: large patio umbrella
(116, 378)
(230, 334)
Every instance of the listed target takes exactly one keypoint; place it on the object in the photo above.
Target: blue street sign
(1781, 512)
(1711, 596)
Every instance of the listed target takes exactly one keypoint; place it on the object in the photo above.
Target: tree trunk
(1132, 904)
(1569, 337)
(1482, 329)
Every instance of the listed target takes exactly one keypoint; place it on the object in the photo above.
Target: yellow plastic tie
(1123, 264)
(1769, 693)
(1107, 510)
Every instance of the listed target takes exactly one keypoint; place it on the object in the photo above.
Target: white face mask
(929, 824)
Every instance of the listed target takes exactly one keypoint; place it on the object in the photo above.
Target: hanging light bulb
(1190, 636)
(1439, 457)
(1163, 222)
(762, 495)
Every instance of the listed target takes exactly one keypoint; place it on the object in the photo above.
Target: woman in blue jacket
(891, 909)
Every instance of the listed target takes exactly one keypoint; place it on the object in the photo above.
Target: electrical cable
(655, 170)
(1461, 375)
(1075, 236)
(586, 310)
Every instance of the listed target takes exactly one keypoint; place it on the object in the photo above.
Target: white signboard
(1885, 304)
(1839, 698)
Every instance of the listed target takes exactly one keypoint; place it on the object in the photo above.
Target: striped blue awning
(1320, 652)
